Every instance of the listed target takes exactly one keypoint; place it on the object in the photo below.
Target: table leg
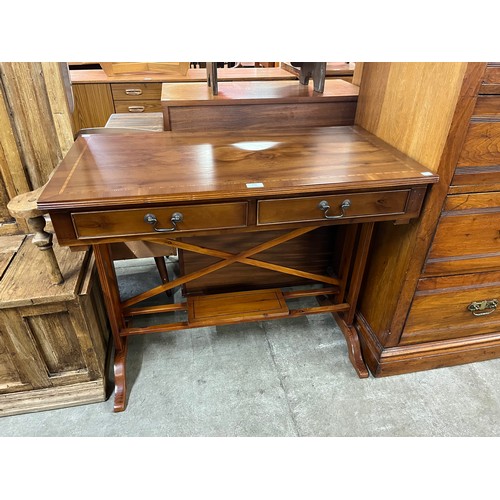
(120, 378)
(353, 346)
(345, 320)
(111, 294)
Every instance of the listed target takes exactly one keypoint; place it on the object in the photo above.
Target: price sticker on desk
(251, 185)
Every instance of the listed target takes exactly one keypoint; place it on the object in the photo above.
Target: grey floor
(279, 378)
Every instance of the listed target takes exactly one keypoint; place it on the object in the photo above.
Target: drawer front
(453, 307)
(482, 145)
(308, 208)
(138, 106)
(478, 168)
(491, 80)
(115, 223)
(487, 106)
(467, 236)
(136, 91)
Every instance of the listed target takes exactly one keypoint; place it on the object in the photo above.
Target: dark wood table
(273, 186)
(257, 104)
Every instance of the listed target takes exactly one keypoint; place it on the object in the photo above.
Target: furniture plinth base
(389, 361)
(53, 398)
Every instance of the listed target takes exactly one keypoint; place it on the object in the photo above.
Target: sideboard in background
(98, 95)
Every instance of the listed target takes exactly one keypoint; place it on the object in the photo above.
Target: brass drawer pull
(133, 91)
(176, 217)
(136, 109)
(324, 207)
(483, 308)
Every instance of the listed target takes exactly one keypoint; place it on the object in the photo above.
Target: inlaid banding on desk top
(108, 170)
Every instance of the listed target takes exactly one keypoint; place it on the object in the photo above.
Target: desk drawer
(138, 106)
(136, 91)
(441, 309)
(308, 208)
(113, 223)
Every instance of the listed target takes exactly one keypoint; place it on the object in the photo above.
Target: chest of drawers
(136, 97)
(452, 314)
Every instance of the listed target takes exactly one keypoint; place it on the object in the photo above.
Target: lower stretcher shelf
(237, 306)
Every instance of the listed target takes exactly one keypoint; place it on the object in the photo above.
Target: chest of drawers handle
(324, 207)
(133, 91)
(483, 308)
(136, 109)
(176, 217)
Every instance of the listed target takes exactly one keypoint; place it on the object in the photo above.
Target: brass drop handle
(483, 308)
(176, 217)
(324, 207)
(133, 91)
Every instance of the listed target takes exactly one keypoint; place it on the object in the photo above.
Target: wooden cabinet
(93, 105)
(136, 97)
(257, 104)
(442, 273)
(98, 95)
(96, 102)
(53, 338)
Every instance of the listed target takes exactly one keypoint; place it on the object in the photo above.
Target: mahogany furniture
(257, 104)
(277, 185)
(117, 124)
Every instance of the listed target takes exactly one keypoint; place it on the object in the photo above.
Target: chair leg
(162, 270)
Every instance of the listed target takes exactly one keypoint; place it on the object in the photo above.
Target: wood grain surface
(231, 93)
(112, 170)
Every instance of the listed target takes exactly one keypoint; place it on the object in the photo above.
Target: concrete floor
(287, 377)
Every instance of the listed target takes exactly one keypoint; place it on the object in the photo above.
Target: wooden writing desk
(168, 187)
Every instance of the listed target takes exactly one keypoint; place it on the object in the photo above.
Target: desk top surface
(139, 169)
(232, 93)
